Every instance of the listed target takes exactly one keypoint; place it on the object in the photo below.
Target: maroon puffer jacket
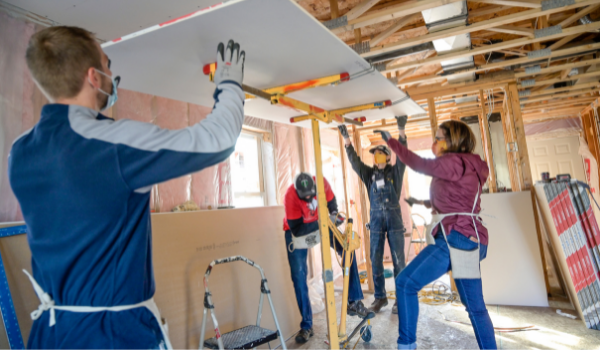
(456, 179)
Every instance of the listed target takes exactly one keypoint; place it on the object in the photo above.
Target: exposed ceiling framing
(551, 53)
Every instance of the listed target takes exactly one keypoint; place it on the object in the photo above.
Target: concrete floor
(554, 331)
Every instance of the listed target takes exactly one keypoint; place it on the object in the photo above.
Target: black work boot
(395, 308)
(378, 304)
(357, 308)
(303, 336)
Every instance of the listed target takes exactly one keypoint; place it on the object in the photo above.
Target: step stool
(248, 337)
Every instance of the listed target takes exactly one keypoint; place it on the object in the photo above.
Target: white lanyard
(48, 304)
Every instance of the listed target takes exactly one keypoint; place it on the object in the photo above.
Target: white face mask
(112, 98)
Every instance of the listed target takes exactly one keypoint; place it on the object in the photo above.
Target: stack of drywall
(579, 238)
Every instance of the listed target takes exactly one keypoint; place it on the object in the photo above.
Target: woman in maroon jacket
(458, 176)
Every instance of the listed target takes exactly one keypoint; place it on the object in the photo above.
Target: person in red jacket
(458, 177)
(301, 220)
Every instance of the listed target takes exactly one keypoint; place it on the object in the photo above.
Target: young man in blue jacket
(384, 185)
(83, 182)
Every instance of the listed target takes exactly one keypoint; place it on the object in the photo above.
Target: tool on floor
(248, 337)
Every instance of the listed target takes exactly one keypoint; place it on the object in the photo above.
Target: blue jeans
(299, 269)
(431, 263)
(386, 222)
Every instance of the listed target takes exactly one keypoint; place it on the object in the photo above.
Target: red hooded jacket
(456, 179)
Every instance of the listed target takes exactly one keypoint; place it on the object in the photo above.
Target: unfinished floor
(554, 331)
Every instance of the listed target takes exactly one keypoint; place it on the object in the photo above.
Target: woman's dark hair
(459, 137)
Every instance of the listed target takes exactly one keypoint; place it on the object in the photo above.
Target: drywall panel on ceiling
(183, 246)
(111, 19)
(512, 273)
(284, 44)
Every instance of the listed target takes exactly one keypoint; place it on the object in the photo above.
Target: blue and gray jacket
(83, 182)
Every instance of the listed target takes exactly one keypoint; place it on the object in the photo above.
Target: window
(246, 171)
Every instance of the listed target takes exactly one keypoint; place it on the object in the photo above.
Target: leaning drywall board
(512, 273)
(183, 246)
(284, 44)
(185, 243)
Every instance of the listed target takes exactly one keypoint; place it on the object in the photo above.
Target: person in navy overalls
(384, 185)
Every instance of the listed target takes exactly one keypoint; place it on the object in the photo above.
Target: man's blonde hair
(59, 58)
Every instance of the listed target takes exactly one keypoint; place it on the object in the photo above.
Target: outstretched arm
(448, 168)
(364, 172)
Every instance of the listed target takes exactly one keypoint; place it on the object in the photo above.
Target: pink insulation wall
(20, 102)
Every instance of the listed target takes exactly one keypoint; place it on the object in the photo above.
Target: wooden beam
(563, 41)
(432, 117)
(558, 53)
(418, 94)
(574, 18)
(358, 36)
(557, 96)
(483, 25)
(392, 12)
(526, 4)
(509, 139)
(488, 10)
(561, 67)
(393, 28)
(364, 216)
(517, 118)
(360, 8)
(558, 80)
(559, 104)
(494, 47)
(486, 143)
(562, 111)
(513, 30)
(333, 8)
(568, 88)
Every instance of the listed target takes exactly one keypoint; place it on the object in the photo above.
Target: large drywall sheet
(512, 273)
(284, 44)
(183, 246)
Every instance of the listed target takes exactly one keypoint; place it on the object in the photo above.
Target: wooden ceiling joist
(559, 80)
(436, 91)
(560, 103)
(360, 8)
(574, 18)
(558, 53)
(483, 25)
(527, 4)
(560, 67)
(568, 88)
(499, 46)
(488, 10)
(394, 28)
(391, 13)
(558, 96)
(513, 30)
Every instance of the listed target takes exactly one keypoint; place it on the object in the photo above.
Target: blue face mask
(112, 98)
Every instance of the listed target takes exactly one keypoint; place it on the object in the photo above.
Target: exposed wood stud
(486, 144)
(432, 117)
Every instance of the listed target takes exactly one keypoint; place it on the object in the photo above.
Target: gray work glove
(230, 63)
(344, 131)
(401, 120)
(384, 134)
